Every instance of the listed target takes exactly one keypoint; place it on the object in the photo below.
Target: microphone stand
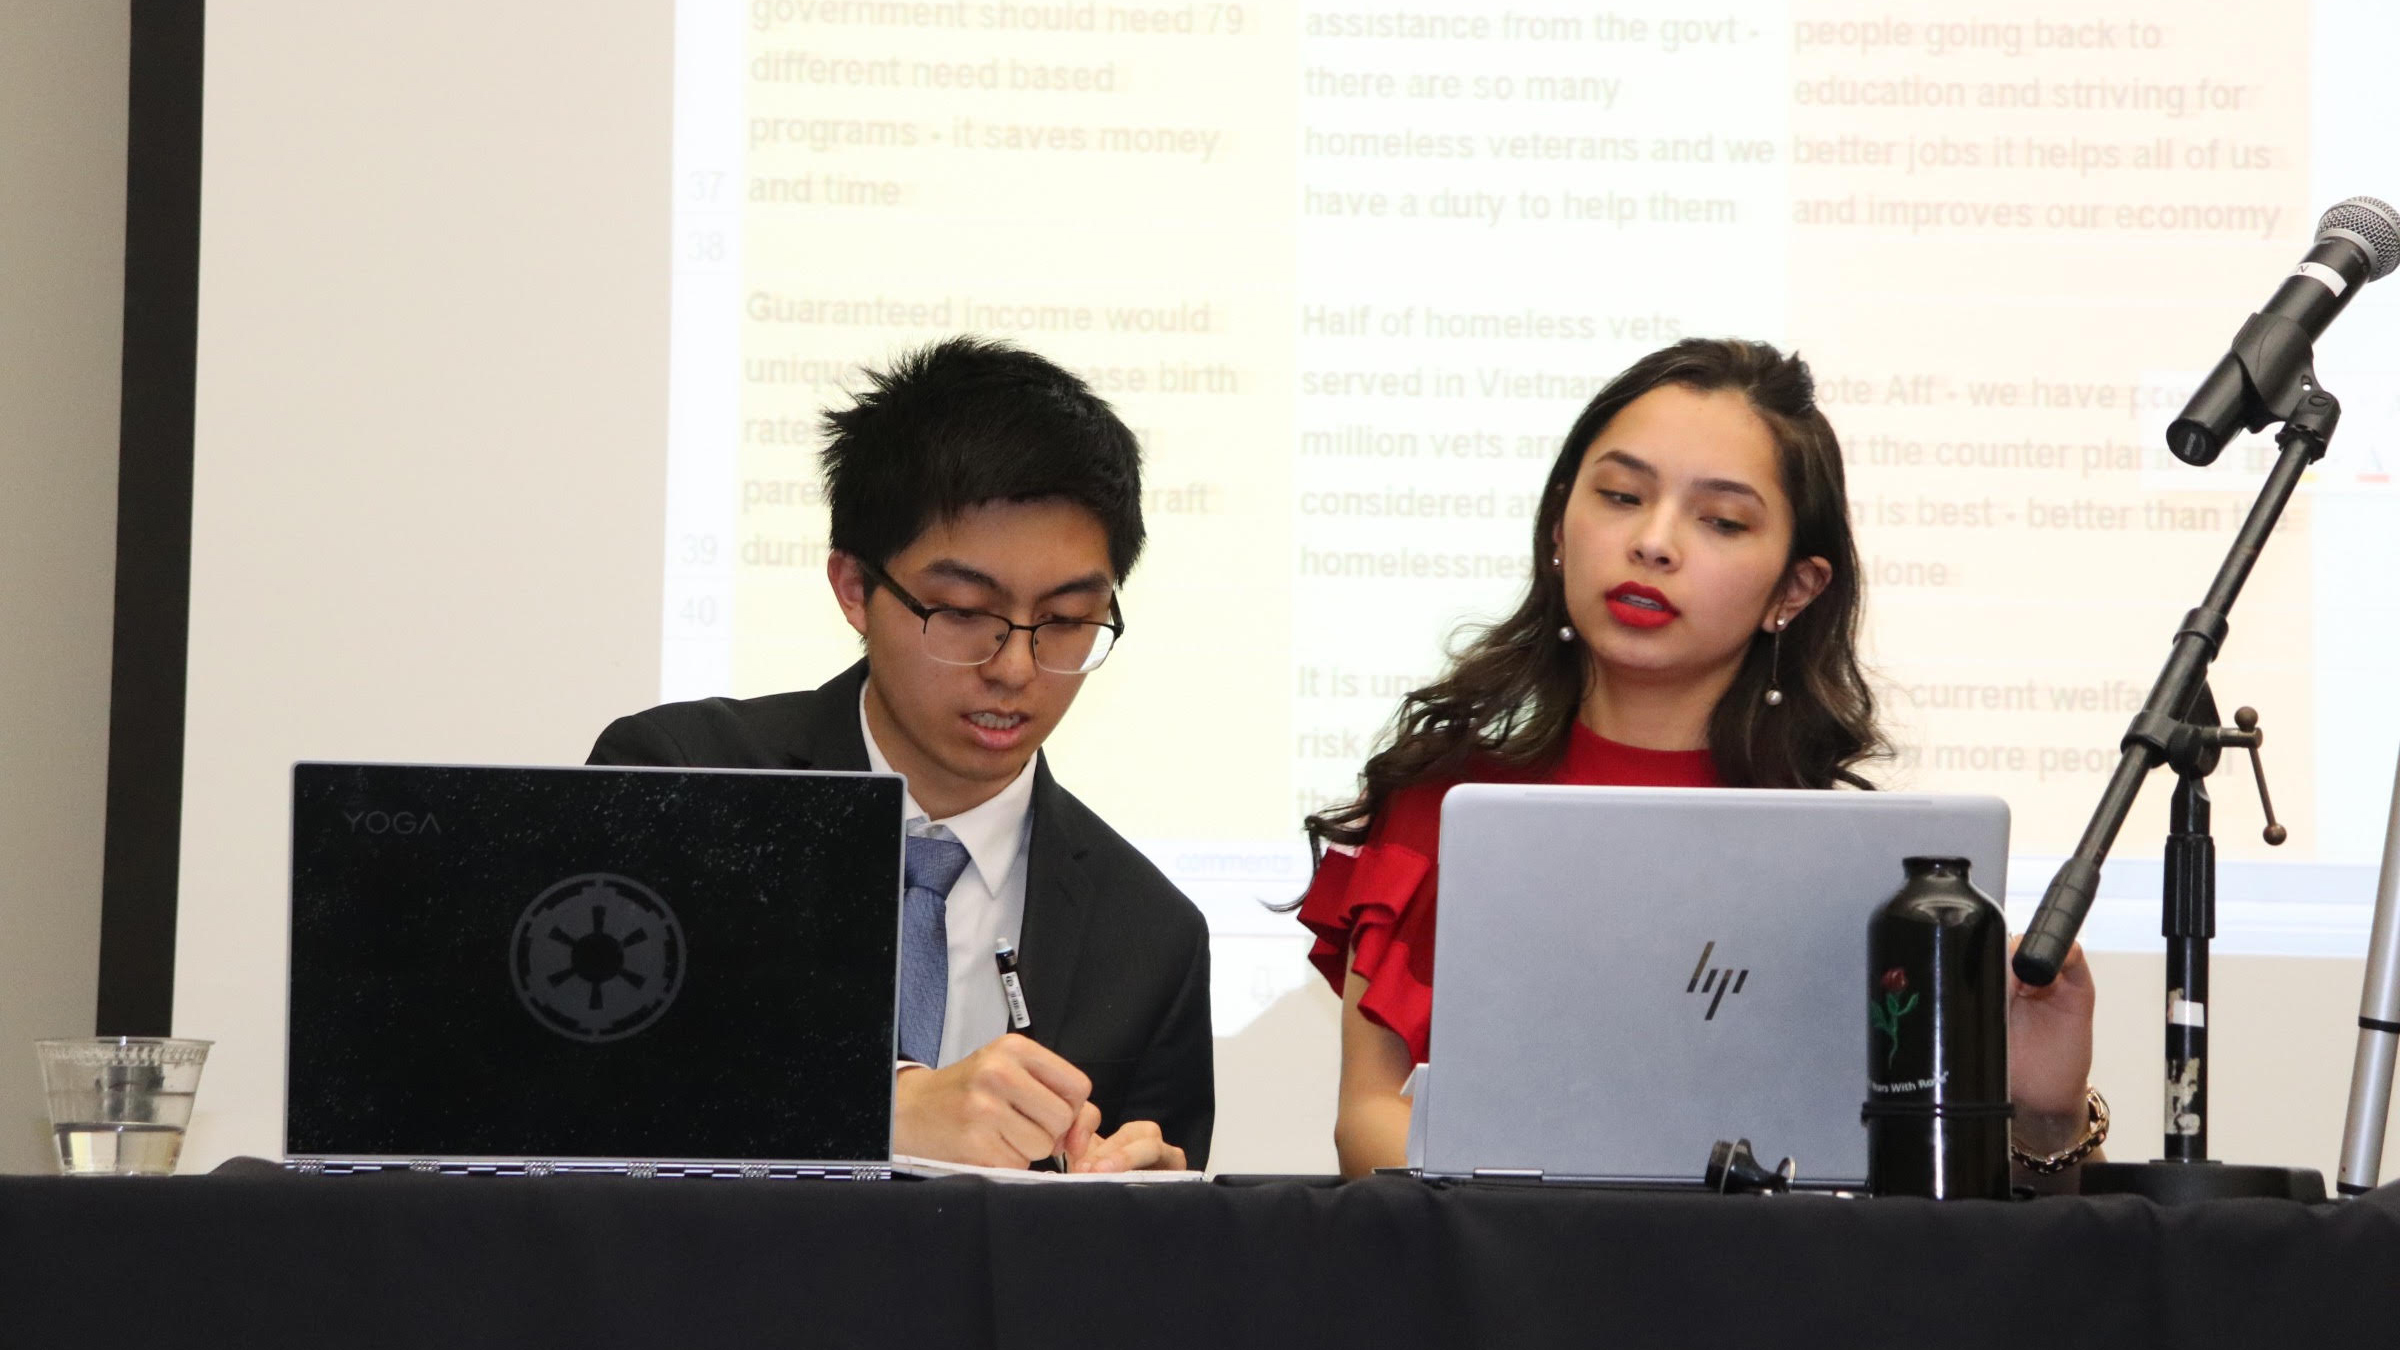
(2378, 1027)
(2179, 715)
(2189, 921)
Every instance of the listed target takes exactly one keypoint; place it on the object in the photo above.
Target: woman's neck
(1665, 712)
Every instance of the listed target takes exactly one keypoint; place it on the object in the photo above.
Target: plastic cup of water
(118, 1104)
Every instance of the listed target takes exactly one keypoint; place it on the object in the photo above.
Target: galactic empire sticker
(597, 957)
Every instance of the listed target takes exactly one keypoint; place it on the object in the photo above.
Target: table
(270, 1260)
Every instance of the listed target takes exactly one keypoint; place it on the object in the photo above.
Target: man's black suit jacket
(1114, 958)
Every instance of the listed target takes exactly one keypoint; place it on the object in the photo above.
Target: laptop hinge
(1507, 1174)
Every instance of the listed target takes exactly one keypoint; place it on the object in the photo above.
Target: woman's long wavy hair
(1513, 690)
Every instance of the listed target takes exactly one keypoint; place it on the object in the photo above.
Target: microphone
(2268, 368)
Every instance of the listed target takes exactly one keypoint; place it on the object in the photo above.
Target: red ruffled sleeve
(1376, 907)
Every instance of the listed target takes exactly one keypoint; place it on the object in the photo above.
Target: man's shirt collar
(993, 832)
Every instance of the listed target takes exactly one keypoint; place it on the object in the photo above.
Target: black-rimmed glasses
(971, 637)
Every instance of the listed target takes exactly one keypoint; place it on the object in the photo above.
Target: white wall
(429, 442)
(62, 239)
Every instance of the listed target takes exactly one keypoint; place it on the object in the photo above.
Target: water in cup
(118, 1104)
(118, 1150)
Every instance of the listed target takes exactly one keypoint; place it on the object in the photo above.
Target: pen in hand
(1020, 1021)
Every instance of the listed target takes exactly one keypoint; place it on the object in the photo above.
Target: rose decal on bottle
(1885, 1013)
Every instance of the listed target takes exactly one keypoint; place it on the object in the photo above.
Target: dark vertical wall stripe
(154, 519)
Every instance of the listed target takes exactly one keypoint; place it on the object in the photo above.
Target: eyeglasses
(971, 637)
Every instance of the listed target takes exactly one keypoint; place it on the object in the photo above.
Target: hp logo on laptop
(1715, 981)
(597, 957)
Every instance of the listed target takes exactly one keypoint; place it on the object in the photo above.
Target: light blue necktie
(933, 866)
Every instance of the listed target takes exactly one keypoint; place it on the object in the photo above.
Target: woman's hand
(2050, 1054)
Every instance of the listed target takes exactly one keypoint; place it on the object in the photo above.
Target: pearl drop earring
(1775, 667)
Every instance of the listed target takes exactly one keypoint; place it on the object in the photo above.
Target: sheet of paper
(931, 1167)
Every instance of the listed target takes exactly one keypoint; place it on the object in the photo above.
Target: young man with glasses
(985, 507)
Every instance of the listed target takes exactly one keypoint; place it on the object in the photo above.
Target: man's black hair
(967, 421)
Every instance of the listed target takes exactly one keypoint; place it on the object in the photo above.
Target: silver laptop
(1627, 975)
(661, 972)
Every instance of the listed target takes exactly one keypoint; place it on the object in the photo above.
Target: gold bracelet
(2095, 1133)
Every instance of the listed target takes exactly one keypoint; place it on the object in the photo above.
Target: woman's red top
(1377, 902)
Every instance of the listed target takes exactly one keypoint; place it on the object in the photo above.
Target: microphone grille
(2373, 224)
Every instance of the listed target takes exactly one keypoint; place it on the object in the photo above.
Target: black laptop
(663, 972)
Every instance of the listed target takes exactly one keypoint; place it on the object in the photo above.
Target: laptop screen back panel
(590, 963)
(1628, 975)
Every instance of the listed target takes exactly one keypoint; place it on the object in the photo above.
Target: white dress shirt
(987, 902)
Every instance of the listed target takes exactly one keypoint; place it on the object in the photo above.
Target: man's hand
(1005, 1105)
(1135, 1147)
(2050, 1054)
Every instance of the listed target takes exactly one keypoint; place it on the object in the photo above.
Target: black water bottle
(1937, 1107)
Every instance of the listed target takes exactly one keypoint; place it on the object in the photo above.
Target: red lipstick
(1638, 606)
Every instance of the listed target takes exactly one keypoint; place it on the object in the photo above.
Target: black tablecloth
(257, 1261)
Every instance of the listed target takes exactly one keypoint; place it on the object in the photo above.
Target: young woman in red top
(1691, 622)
